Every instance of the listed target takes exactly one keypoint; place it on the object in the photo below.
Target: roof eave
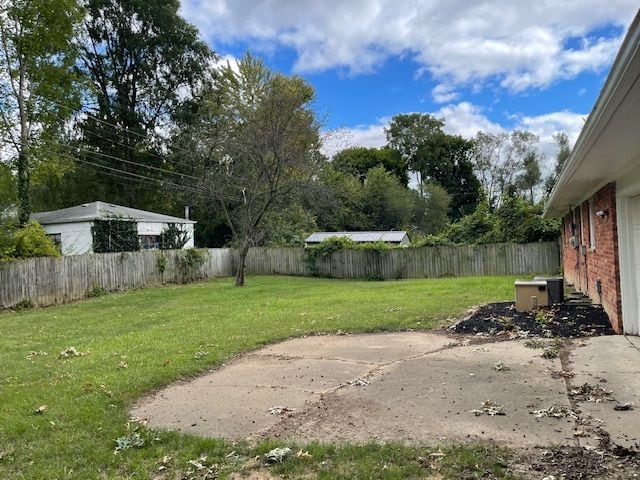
(593, 126)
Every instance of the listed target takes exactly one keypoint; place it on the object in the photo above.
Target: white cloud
(547, 125)
(359, 136)
(466, 119)
(226, 61)
(522, 45)
(444, 93)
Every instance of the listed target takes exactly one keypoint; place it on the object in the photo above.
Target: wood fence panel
(47, 281)
(425, 262)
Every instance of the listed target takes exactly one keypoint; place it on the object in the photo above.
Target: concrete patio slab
(612, 362)
(430, 399)
(375, 348)
(412, 387)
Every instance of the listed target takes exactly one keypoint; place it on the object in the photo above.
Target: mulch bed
(563, 320)
(576, 463)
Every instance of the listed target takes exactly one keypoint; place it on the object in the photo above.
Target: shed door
(635, 228)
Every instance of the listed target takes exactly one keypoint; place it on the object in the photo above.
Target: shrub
(479, 227)
(173, 238)
(32, 241)
(190, 262)
(334, 244)
(433, 241)
(330, 245)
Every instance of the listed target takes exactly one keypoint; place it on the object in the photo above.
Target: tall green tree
(409, 134)
(257, 145)
(487, 157)
(37, 58)
(388, 205)
(531, 176)
(435, 156)
(7, 187)
(146, 65)
(335, 198)
(359, 160)
(446, 161)
(431, 209)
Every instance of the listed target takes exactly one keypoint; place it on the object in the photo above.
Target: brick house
(597, 195)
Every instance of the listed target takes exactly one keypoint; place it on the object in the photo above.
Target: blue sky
(479, 64)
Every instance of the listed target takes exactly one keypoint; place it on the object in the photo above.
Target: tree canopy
(359, 160)
(37, 78)
(257, 145)
(121, 101)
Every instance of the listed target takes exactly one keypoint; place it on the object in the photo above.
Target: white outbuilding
(71, 228)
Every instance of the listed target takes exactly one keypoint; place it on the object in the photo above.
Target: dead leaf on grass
(200, 470)
(71, 352)
(278, 455)
(33, 354)
(305, 455)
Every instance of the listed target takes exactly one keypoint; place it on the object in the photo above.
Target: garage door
(635, 214)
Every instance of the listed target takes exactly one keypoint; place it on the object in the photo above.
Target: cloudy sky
(479, 64)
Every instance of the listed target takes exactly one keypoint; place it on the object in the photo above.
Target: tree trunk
(241, 266)
(24, 199)
(24, 202)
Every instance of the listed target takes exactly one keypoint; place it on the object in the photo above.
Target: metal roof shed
(393, 237)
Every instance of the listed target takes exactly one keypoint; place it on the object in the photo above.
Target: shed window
(149, 242)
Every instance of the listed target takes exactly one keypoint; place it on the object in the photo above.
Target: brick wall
(600, 262)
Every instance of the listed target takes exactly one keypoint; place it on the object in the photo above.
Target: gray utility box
(555, 288)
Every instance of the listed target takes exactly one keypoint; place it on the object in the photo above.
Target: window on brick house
(592, 226)
(577, 225)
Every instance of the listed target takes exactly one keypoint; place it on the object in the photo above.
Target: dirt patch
(557, 321)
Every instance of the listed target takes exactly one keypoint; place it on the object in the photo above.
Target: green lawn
(140, 340)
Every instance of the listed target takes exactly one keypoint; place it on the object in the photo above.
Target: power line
(163, 181)
(95, 154)
(142, 177)
(121, 128)
(141, 181)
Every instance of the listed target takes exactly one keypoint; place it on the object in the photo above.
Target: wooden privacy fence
(46, 281)
(424, 262)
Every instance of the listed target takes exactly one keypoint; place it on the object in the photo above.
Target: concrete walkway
(415, 387)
